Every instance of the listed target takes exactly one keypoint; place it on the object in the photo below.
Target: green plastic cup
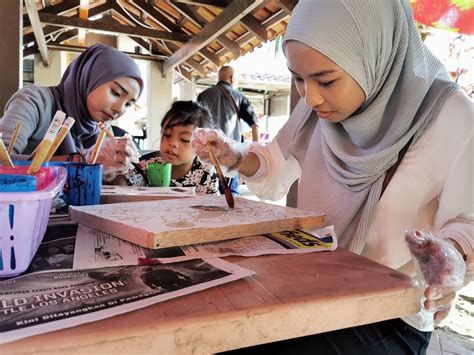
(159, 174)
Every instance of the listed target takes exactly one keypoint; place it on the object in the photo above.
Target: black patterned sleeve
(212, 183)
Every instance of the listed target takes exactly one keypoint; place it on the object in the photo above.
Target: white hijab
(377, 43)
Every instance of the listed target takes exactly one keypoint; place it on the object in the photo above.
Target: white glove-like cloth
(116, 156)
(228, 152)
(442, 267)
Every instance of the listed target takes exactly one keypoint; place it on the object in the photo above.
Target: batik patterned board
(159, 224)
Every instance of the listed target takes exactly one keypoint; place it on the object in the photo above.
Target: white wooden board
(159, 224)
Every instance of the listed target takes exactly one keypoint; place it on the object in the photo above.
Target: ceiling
(192, 37)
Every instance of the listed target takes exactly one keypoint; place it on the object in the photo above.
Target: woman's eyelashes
(324, 84)
(118, 94)
(115, 93)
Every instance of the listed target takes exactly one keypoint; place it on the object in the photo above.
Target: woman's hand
(443, 269)
(116, 154)
(228, 152)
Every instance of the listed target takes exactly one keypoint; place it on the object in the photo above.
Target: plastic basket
(23, 220)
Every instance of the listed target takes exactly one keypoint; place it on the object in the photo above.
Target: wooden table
(290, 296)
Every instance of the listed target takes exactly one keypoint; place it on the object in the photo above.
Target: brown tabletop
(290, 296)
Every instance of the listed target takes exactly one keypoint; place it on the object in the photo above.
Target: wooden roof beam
(84, 15)
(192, 15)
(49, 30)
(287, 5)
(112, 27)
(62, 37)
(78, 49)
(191, 62)
(253, 25)
(267, 24)
(163, 21)
(249, 21)
(58, 9)
(214, 3)
(37, 30)
(225, 20)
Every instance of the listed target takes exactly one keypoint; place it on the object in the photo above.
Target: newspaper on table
(98, 249)
(41, 300)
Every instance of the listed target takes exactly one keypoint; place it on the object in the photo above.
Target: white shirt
(431, 187)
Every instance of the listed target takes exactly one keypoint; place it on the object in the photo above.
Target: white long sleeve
(275, 175)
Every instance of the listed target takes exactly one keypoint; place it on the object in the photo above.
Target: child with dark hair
(175, 147)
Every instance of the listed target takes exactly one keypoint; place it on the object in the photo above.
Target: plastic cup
(83, 185)
(159, 174)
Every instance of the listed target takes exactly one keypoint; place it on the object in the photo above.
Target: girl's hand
(228, 152)
(442, 268)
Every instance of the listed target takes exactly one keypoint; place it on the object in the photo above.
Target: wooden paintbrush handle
(214, 160)
(228, 194)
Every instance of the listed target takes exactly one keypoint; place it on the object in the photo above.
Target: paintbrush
(66, 127)
(47, 141)
(109, 133)
(14, 137)
(4, 156)
(228, 194)
(98, 145)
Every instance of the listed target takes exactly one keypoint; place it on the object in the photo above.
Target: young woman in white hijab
(371, 90)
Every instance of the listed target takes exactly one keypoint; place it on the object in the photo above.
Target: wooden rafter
(270, 22)
(249, 21)
(253, 25)
(288, 5)
(47, 30)
(192, 15)
(78, 49)
(214, 3)
(170, 45)
(225, 20)
(84, 15)
(37, 29)
(52, 30)
(58, 9)
(188, 35)
(112, 27)
(162, 20)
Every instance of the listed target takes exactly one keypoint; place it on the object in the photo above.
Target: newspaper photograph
(46, 301)
(98, 249)
(56, 251)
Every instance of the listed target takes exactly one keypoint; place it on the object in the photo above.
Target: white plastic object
(23, 220)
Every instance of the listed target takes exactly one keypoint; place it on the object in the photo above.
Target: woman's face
(175, 146)
(324, 86)
(109, 101)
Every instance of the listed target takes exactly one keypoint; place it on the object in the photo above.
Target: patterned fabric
(201, 175)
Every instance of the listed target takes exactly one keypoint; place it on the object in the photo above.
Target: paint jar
(84, 183)
(23, 220)
(159, 174)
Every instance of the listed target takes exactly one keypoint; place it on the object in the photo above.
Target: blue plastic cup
(83, 185)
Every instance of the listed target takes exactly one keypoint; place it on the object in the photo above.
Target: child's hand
(228, 152)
